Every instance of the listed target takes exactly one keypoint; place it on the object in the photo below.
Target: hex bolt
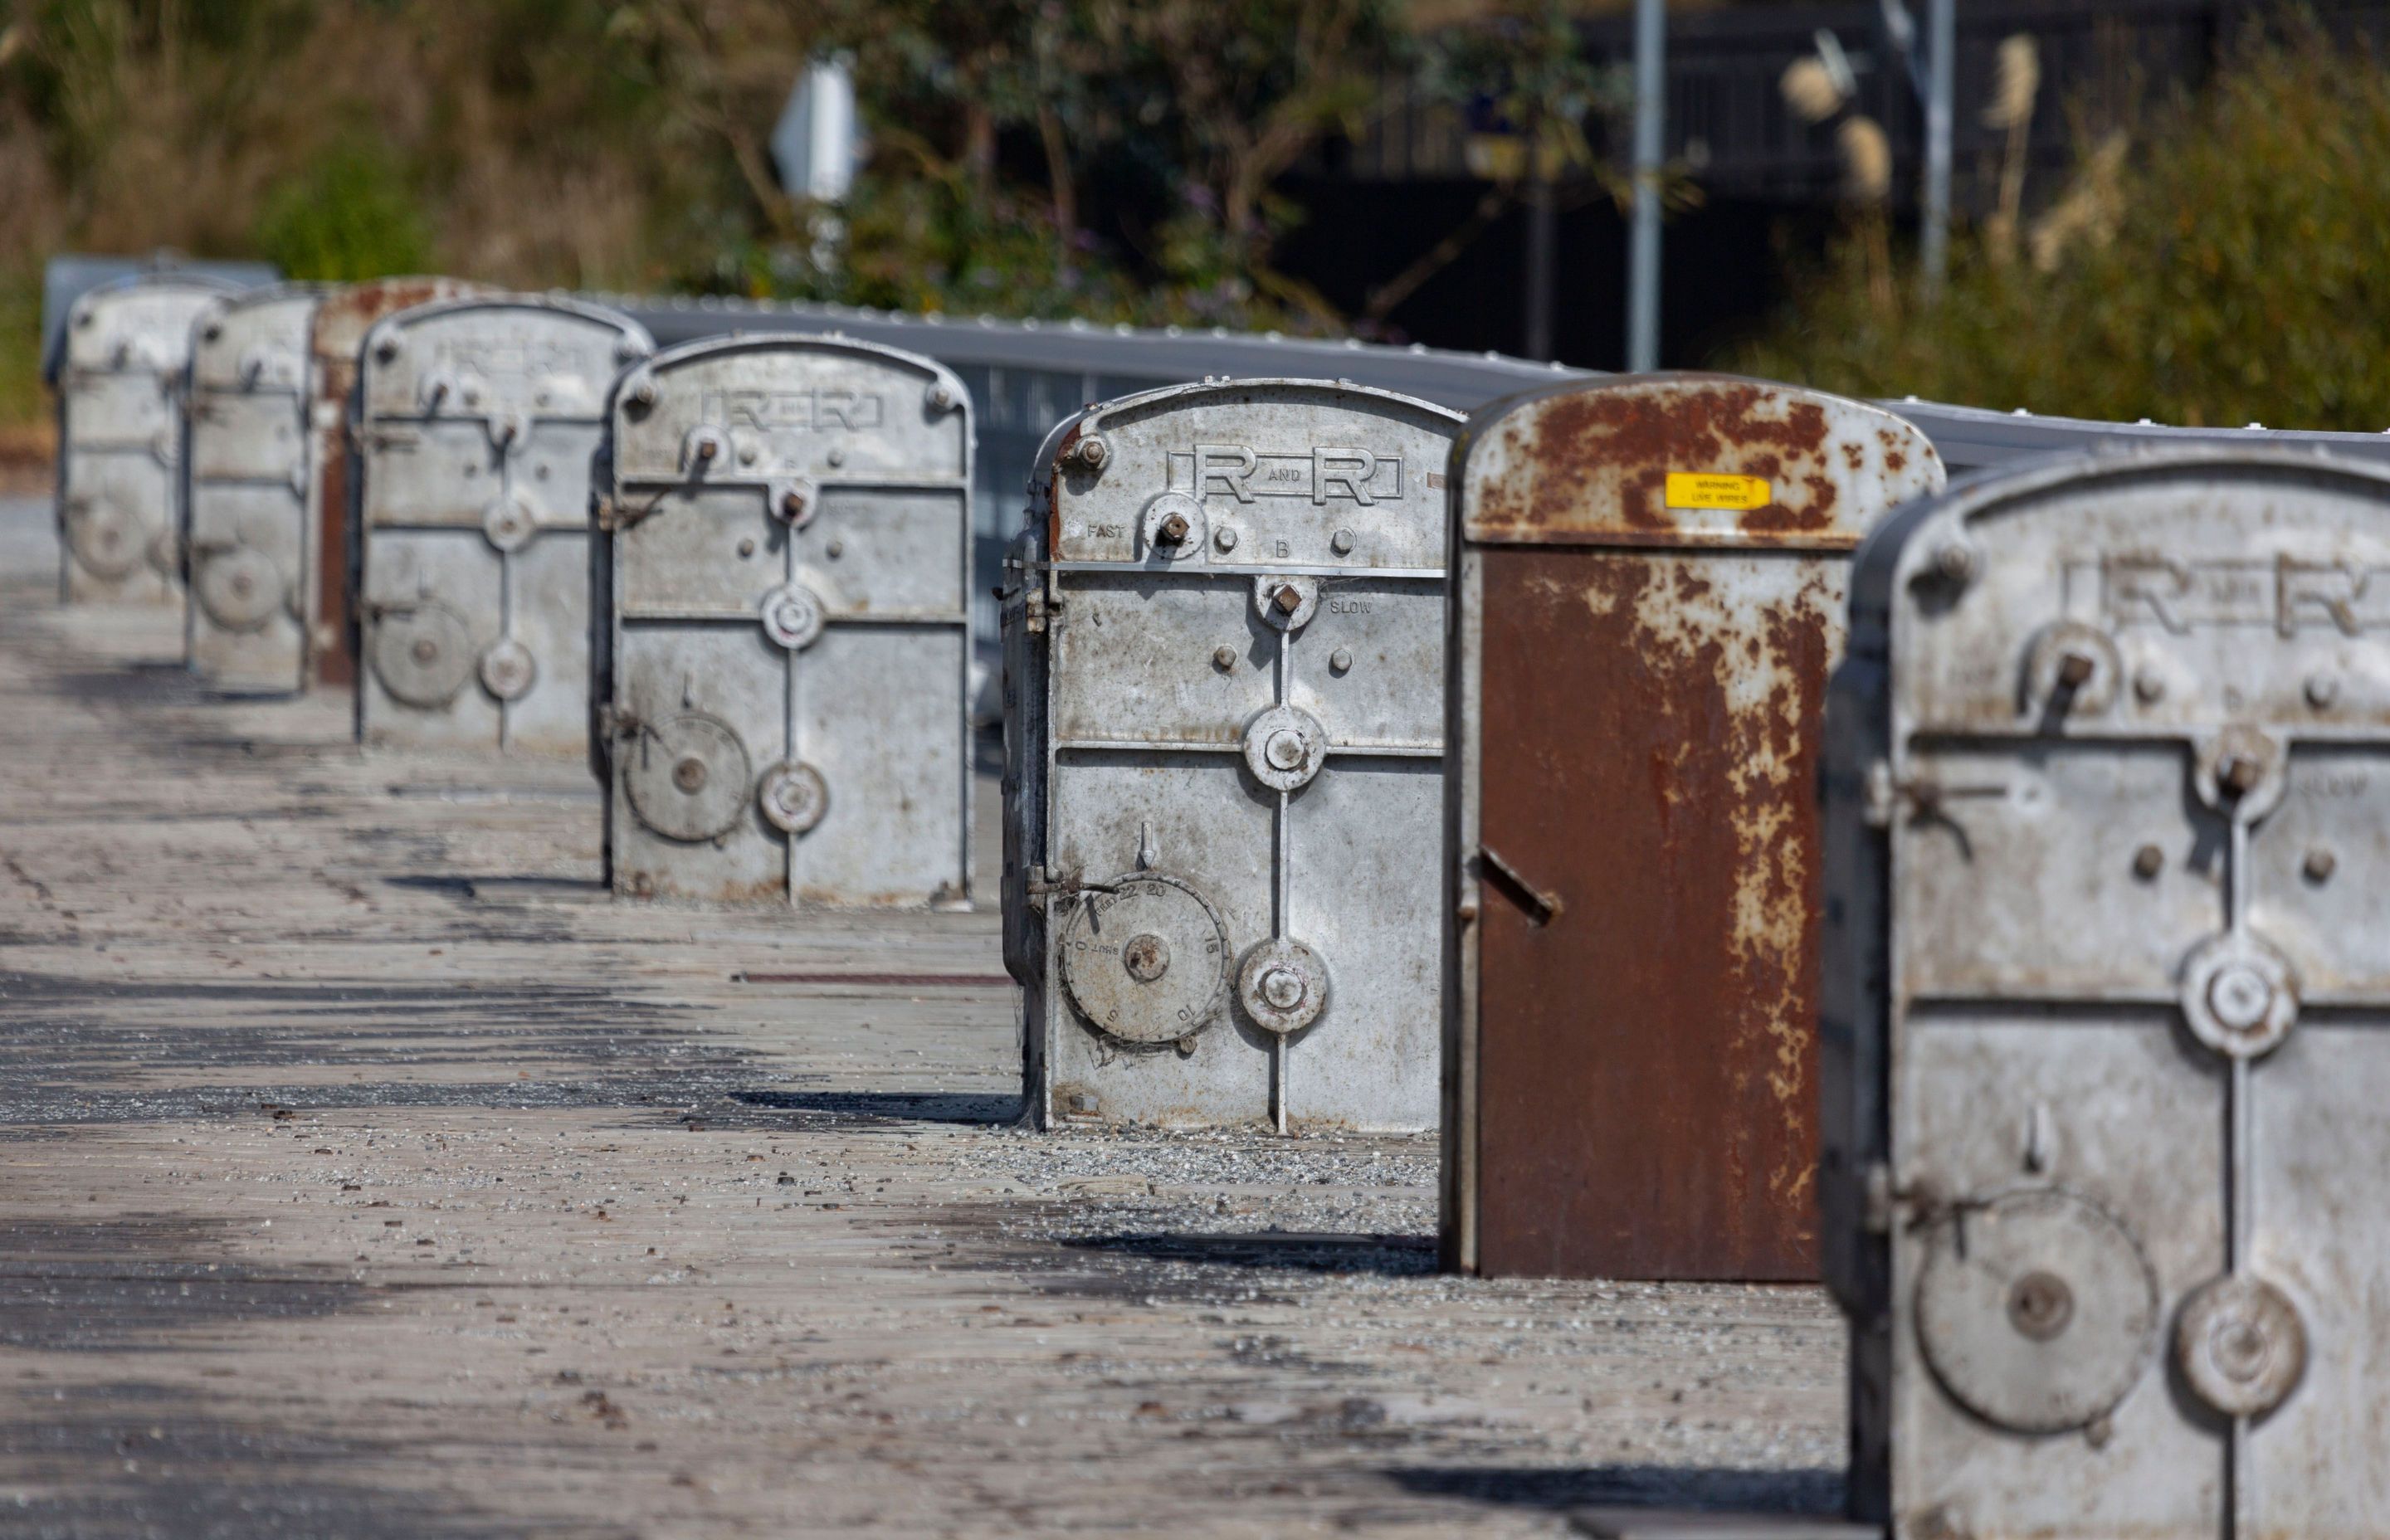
(689, 774)
(643, 394)
(1224, 656)
(1282, 987)
(2323, 690)
(747, 547)
(1340, 660)
(1226, 539)
(2150, 686)
(2319, 865)
(2148, 862)
(835, 549)
(2240, 773)
(792, 505)
(1289, 598)
(836, 457)
(707, 448)
(1955, 560)
(1173, 531)
(1340, 542)
(2075, 669)
(747, 452)
(1091, 452)
(941, 396)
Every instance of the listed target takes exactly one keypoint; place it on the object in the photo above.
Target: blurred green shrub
(2230, 267)
(349, 213)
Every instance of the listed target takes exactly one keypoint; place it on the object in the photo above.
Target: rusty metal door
(339, 333)
(245, 491)
(1647, 600)
(119, 379)
(2108, 1010)
(1224, 907)
(784, 646)
(476, 423)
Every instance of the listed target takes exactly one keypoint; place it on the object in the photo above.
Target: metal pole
(1643, 252)
(1941, 46)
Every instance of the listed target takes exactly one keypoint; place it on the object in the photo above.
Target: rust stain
(1593, 464)
(1648, 1062)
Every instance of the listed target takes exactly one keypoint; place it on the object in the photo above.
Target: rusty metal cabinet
(476, 422)
(783, 645)
(2108, 1002)
(1224, 643)
(1647, 596)
(118, 374)
(245, 488)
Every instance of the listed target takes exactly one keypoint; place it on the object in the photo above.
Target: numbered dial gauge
(423, 656)
(688, 777)
(1146, 960)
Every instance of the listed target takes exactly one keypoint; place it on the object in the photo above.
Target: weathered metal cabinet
(245, 488)
(1223, 652)
(783, 639)
(2108, 1003)
(334, 341)
(119, 375)
(477, 420)
(1647, 596)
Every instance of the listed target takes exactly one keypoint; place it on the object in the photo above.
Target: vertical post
(1543, 242)
(1933, 238)
(1643, 252)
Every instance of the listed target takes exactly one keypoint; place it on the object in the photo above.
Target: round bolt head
(2040, 1305)
(1147, 956)
(1285, 749)
(424, 650)
(1340, 542)
(835, 549)
(794, 797)
(2241, 1346)
(1224, 656)
(508, 670)
(1283, 985)
(689, 774)
(2323, 689)
(2238, 995)
(792, 616)
(1283, 988)
(2319, 865)
(836, 457)
(1340, 660)
(746, 547)
(2148, 862)
(643, 394)
(1226, 539)
(1953, 560)
(940, 396)
(2240, 773)
(2149, 687)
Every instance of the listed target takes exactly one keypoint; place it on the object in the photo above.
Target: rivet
(2319, 865)
(2323, 690)
(836, 456)
(2148, 862)
(746, 547)
(1954, 559)
(2150, 686)
(835, 549)
(1224, 656)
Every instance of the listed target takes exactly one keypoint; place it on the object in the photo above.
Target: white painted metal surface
(1224, 645)
(247, 468)
(476, 423)
(2108, 975)
(783, 651)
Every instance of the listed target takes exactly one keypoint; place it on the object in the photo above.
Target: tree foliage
(2228, 269)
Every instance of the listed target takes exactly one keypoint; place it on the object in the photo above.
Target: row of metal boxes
(2029, 984)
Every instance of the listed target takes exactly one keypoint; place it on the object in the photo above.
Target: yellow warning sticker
(1696, 489)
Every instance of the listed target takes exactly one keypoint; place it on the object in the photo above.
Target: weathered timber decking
(369, 1174)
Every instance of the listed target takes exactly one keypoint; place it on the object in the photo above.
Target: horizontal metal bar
(1195, 570)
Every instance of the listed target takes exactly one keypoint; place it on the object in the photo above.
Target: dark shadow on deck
(1383, 1255)
(892, 1106)
(1807, 1494)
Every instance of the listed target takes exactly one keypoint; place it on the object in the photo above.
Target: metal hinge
(1922, 794)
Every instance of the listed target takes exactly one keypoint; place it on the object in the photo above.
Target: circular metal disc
(507, 523)
(793, 796)
(1167, 505)
(2035, 1311)
(1270, 606)
(105, 538)
(509, 669)
(1283, 986)
(1146, 962)
(792, 616)
(2241, 1346)
(423, 656)
(2238, 995)
(1284, 747)
(688, 777)
(240, 588)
